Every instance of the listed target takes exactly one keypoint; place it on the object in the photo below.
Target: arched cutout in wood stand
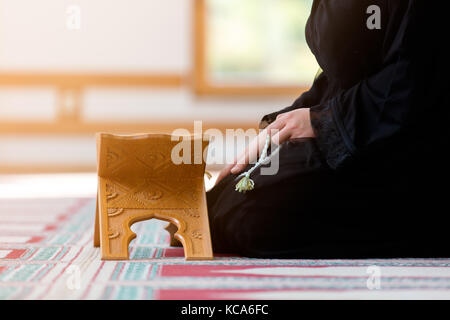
(138, 180)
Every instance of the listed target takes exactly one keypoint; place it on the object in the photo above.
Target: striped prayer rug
(46, 252)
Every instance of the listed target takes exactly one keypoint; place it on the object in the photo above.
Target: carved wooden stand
(137, 180)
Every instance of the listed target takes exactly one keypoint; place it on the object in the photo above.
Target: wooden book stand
(138, 180)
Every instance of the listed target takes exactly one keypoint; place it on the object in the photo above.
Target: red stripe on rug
(2, 268)
(216, 271)
(189, 294)
(35, 239)
(179, 253)
(223, 294)
(50, 228)
(15, 253)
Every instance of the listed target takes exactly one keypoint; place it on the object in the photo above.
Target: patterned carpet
(46, 252)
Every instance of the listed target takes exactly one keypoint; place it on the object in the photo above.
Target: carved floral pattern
(197, 234)
(112, 212)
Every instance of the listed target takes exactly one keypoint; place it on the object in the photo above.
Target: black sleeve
(306, 100)
(377, 109)
(327, 33)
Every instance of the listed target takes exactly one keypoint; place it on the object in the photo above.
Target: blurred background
(69, 69)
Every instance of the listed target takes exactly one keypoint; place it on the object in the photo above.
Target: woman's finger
(278, 124)
(224, 172)
(227, 169)
(281, 136)
(238, 168)
(243, 160)
(252, 153)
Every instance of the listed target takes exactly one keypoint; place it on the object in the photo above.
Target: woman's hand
(289, 125)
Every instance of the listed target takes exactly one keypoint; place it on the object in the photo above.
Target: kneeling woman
(361, 151)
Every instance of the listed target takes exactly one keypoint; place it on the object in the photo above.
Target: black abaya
(379, 112)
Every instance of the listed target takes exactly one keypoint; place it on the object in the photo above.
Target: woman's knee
(258, 233)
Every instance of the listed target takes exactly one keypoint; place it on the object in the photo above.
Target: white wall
(119, 35)
(138, 36)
